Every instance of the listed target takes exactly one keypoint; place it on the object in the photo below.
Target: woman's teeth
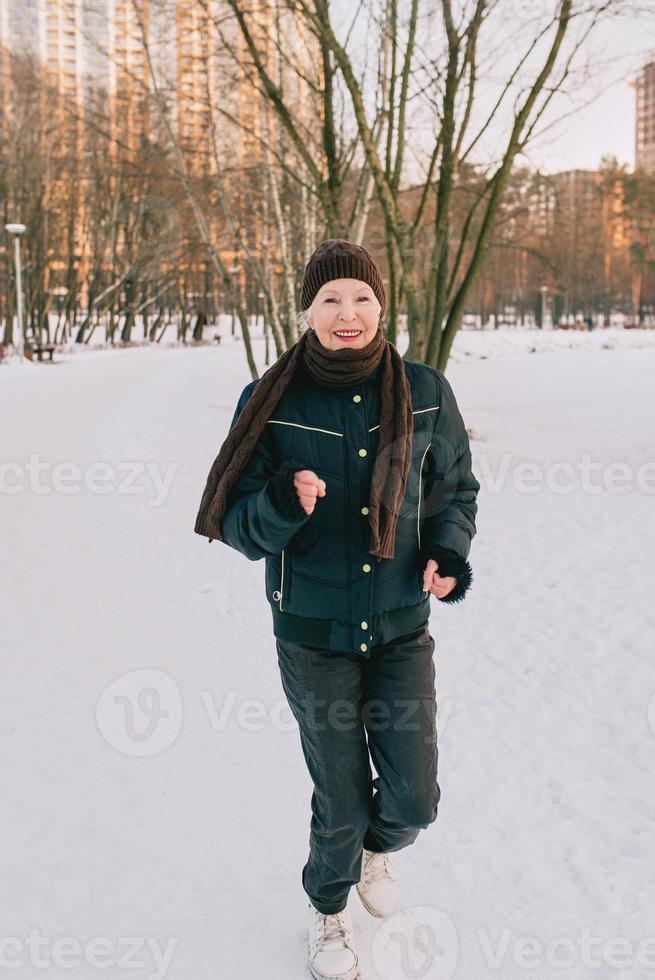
(347, 333)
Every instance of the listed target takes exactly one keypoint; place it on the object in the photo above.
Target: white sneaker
(378, 888)
(332, 952)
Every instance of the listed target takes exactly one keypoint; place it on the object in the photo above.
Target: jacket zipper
(418, 513)
(420, 488)
(277, 595)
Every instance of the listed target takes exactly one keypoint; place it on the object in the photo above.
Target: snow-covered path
(153, 781)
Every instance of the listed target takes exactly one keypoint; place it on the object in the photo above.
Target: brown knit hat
(337, 258)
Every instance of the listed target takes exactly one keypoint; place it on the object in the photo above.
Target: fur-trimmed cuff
(450, 563)
(282, 491)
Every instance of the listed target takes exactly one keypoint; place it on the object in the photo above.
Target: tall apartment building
(52, 33)
(645, 132)
(131, 53)
(579, 217)
(579, 195)
(49, 35)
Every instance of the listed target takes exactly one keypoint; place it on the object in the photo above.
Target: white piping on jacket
(331, 432)
(418, 411)
(312, 428)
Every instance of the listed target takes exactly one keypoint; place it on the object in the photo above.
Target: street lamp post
(17, 230)
(544, 305)
(261, 296)
(234, 271)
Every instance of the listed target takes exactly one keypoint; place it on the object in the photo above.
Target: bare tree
(448, 86)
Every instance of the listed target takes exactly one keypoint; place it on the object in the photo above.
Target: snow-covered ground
(153, 782)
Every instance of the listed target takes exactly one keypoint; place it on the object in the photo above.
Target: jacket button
(366, 568)
(357, 398)
(363, 647)
(364, 510)
(362, 452)
(364, 624)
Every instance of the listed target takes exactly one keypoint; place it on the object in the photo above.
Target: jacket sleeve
(451, 492)
(263, 511)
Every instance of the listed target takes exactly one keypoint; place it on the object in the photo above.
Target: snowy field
(155, 813)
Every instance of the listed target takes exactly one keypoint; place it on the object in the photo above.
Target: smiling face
(345, 306)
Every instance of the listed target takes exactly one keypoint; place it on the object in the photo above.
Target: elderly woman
(348, 470)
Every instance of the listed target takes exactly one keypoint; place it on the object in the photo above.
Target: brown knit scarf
(334, 368)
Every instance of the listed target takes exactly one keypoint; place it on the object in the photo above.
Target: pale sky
(604, 127)
(596, 114)
(607, 124)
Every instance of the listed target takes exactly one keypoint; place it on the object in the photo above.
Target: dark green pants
(338, 699)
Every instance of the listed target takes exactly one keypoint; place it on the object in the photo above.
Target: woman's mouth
(347, 334)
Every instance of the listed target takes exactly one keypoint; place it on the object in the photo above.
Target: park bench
(39, 350)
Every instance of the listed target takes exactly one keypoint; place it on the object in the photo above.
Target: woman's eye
(361, 299)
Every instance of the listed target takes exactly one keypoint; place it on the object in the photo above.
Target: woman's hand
(434, 583)
(308, 486)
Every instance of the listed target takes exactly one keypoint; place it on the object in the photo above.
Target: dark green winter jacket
(324, 587)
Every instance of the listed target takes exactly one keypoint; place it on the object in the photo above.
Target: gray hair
(304, 319)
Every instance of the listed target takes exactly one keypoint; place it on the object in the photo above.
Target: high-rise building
(645, 134)
(141, 71)
(586, 197)
(52, 32)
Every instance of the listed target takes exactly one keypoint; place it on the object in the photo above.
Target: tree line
(137, 219)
